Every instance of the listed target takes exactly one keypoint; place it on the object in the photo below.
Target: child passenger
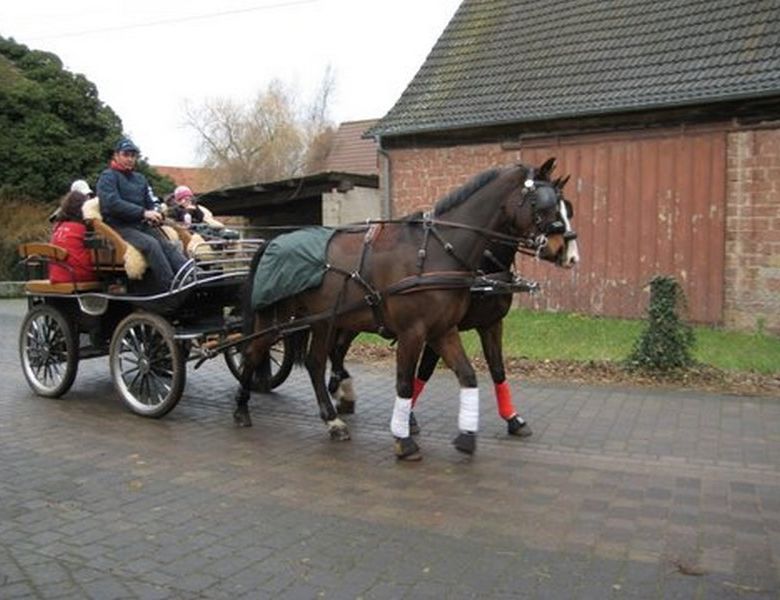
(69, 233)
(183, 209)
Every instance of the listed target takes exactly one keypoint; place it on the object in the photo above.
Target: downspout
(385, 177)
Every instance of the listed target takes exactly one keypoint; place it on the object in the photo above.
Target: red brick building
(666, 115)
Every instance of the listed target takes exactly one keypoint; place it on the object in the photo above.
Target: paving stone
(615, 490)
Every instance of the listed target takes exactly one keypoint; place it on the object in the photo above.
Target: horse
(489, 305)
(409, 280)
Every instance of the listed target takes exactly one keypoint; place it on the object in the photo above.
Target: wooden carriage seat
(47, 253)
(112, 257)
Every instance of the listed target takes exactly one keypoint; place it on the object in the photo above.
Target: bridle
(541, 203)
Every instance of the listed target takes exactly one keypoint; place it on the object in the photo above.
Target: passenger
(127, 205)
(77, 186)
(183, 208)
(69, 233)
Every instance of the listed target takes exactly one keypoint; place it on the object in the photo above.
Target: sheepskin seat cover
(135, 263)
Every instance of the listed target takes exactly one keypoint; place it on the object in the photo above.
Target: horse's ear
(563, 181)
(547, 168)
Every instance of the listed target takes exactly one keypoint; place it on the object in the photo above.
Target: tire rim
(145, 366)
(46, 352)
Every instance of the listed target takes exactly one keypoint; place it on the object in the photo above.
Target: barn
(666, 115)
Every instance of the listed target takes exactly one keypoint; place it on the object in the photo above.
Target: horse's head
(563, 239)
(542, 217)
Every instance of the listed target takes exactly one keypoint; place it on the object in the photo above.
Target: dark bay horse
(410, 280)
(485, 314)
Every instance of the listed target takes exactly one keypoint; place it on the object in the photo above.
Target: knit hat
(182, 193)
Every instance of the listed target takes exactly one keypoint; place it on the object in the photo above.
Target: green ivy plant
(666, 343)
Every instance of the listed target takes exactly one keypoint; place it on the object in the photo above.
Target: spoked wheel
(49, 351)
(281, 364)
(147, 364)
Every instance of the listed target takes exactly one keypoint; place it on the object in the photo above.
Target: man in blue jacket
(127, 205)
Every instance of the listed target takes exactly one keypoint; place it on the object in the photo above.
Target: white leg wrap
(399, 424)
(468, 417)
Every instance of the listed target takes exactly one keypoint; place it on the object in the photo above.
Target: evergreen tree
(53, 126)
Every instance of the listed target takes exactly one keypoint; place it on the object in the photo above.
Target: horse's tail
(298, 345)
(247, 313)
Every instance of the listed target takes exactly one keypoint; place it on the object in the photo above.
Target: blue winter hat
(126, 145)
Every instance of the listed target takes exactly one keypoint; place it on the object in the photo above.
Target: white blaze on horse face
(572, 256)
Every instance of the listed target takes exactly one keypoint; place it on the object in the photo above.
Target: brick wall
(743, 294)
(421, 176)
(752, 277)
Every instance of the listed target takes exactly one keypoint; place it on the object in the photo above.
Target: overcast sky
(148, 58)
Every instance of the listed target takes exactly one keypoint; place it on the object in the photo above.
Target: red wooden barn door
(644, 206)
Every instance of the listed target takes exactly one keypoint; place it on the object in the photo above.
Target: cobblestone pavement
(620, 493)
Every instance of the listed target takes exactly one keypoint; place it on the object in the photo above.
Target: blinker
(556, 227)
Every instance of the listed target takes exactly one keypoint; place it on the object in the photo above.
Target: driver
(126, 203)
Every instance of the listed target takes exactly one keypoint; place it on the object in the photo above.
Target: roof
(198, 179)
(351, 153)
(516, 61)
(236, 200)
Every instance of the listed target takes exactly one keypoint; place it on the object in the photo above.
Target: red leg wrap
(504, 400)
(417, 388)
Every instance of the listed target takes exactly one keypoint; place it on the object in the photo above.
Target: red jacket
(70, 235)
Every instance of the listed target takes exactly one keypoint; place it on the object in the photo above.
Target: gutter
(386, 177)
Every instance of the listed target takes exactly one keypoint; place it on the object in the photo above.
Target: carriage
(148, 337)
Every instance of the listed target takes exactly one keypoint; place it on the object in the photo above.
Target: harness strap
(411, 284)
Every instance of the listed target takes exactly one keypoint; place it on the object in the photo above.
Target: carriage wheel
(147, 364)
(281, 364)
(49, 351)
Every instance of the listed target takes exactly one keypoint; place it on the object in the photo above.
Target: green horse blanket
(292, 263)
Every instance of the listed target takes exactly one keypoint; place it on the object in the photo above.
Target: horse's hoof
(242, 419)
(407, 449)
(466, 442)
(345, 407)
(515, 427)
(414, 427)
(338, 430)
(339, 435)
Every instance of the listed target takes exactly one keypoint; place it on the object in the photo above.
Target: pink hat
(182, 193)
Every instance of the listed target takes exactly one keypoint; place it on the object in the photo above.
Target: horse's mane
(458, 196)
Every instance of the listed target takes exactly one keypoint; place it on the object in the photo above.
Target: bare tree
(319, 132)
(267, 139)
